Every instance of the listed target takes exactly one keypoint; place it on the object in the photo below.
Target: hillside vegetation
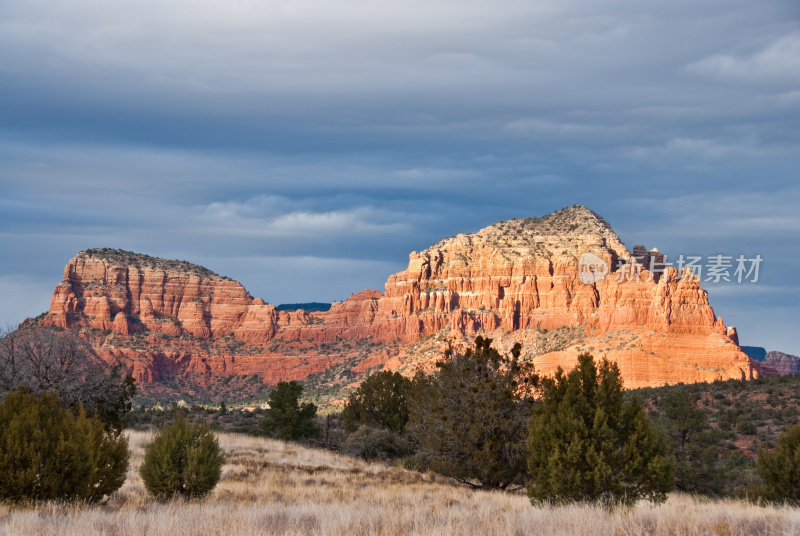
(738, 418)
(121, 257)
(271, 487)
(750, 414)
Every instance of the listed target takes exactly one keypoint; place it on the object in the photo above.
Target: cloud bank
(306, 147)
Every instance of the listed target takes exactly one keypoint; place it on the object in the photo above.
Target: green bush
(468, 419)
(587, 444)
(380, 400)
(47, 452)
(695, 447)
(746, 428)
(184, 459)
(286, 418)
(370, 442)
(780, 469)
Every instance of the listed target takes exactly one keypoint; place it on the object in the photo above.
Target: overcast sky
(305, 147)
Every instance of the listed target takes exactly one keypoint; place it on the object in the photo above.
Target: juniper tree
(381, 400)
(184, 459)
(468, 418)
(780, 469)
(588, 444)
(288, 419)
(47, 452)
(695, 448)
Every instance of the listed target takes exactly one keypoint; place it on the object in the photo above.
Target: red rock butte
(514, 281)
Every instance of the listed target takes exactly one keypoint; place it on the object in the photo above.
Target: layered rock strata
(518, 279)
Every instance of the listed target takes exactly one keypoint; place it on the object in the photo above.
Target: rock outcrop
(518, 280)
(783, 363)
(122, 292)
(773, 363)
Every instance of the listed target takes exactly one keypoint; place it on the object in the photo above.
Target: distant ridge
(310, 306)
(758, 353)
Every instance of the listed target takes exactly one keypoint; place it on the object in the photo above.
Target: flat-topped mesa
(511, 280)
(125, 292)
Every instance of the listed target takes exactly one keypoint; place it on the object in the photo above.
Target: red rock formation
(782, 363)
(117, 291)
(513, 280)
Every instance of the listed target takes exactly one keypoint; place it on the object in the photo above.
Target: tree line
(489, 421)
(483, 418)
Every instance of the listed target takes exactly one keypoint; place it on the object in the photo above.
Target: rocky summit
(522, 280)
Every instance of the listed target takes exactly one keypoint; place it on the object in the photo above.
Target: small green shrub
(48, 453)
(780, 469)
(184, 459)
(380, 400)
(746, 428)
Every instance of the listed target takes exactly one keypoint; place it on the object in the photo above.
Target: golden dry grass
(270, 487)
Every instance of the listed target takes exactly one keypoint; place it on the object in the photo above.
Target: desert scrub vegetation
(272, 487)
(184, 459)
(768, 405)
(230, 419)
(554, 340)
(140, 260)
(227, 415)
(202, 390)
(47, 452)
(732, 421)
(564, 231)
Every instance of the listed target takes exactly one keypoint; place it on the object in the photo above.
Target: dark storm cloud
(305, 147)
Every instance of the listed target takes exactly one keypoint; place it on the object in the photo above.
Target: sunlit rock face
(552, 283)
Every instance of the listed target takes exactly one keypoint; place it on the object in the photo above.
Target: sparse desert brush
(271, 487)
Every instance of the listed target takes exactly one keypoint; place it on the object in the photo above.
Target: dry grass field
(270, 487)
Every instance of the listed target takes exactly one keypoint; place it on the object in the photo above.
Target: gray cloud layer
(305, 147)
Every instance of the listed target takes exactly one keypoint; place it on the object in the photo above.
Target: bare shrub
(49, 360)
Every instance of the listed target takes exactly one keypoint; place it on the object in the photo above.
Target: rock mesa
(517, 280)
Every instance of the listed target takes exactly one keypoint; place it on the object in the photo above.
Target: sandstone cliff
(123, 292)
(516, 280)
